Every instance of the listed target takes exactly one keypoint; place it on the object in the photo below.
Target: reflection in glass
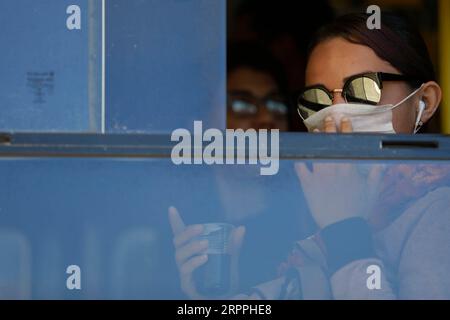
(110, 218)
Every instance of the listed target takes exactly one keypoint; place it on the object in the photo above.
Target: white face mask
(364, 117)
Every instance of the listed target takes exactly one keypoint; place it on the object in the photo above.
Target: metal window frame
(292, 146)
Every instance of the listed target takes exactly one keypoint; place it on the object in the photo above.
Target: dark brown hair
(397, 42)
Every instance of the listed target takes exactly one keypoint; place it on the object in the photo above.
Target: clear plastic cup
(213, 279)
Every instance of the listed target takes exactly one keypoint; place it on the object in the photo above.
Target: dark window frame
(293, 146)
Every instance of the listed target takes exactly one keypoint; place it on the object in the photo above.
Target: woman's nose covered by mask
(364, 118)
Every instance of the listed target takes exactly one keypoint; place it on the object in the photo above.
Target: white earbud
(422, 106)
(419, 122)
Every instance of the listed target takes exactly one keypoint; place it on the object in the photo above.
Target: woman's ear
(431, 95)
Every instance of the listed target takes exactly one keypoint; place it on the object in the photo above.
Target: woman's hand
(330, 126)
(191, 254)
(339, 191)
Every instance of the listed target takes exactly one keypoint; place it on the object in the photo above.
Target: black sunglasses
(361, 88)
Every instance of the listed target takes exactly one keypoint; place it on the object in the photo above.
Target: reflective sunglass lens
(363, 90)
(316, 97)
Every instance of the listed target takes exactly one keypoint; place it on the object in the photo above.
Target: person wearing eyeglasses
(256, 100)
(256, 83)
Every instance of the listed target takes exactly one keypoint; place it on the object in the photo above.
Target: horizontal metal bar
(292, 146)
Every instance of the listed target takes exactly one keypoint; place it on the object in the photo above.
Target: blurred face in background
(255, 101)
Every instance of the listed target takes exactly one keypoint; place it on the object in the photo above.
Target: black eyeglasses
(361, 88)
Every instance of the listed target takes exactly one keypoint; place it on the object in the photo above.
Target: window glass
(50, 75)
(165, 68)
(109, 217)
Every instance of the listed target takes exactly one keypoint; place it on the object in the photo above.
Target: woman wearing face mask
(384, 234)
(361, 80)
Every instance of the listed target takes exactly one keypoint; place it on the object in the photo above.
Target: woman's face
(336, 59)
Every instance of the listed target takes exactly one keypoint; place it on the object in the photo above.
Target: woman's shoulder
(419, 219)
(436, 209)
(426, 253)
(432, 203)
(436, 213)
